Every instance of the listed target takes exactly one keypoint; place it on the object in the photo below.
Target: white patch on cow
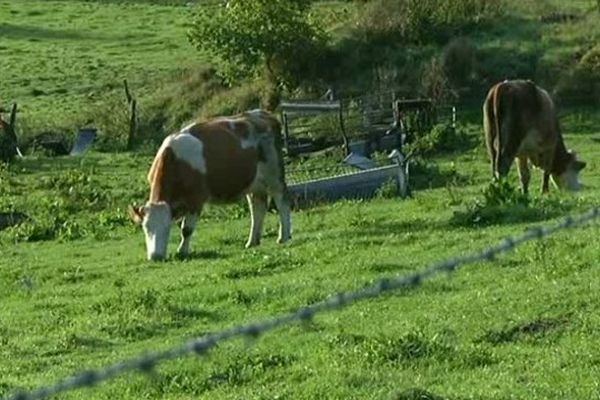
(186, 129)
(187, 148)
(156, 225)
(250, 143)
(568, 180)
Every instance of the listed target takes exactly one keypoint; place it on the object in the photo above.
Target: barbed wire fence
(148, 362)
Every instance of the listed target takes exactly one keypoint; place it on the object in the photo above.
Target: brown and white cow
(520, 120)
(219, 161)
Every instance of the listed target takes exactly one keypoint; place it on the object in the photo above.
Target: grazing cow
(218, 161)
(520, 120)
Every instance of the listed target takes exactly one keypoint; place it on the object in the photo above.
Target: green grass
(61, 57)
(76, 292)
(522, 326)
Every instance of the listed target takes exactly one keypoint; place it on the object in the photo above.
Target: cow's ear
(579, 165)
(136, 213)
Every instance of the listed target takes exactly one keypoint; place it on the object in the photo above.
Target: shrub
(441, 138)
(502, 203)
(583, 81)
(261, 37)
(458, 61)
(422, 20)
(435, 83)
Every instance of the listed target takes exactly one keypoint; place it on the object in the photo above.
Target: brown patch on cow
(231, 169)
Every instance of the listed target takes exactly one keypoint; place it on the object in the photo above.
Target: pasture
(77, 293)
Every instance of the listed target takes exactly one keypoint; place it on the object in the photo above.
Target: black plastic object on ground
(8, 219)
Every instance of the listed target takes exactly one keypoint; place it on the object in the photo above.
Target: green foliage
(388, 190)
(442, 138)
(458, 61)
(503, 203)
(245, 39)
(422, 20)
(582, 83)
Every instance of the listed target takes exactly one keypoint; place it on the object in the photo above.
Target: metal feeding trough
(359, 184)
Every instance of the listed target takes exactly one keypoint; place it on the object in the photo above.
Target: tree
(273, 38)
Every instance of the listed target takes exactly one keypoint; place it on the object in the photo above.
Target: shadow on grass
(36, 33)
(526, 331)
(206, 255)
(180, 312)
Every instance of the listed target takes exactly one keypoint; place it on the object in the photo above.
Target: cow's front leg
(258, 208)
(187, 228)
(524, 176)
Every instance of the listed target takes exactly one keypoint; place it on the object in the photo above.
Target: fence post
(131, 101)
(343, 129)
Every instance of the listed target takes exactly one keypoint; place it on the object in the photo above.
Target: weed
(503, 202)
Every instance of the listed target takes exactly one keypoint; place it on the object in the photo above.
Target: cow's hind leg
(545, 180)
(524, 176)
(508, 146)
(188, 224)
(490, 138)
(282, 202)
(257, 201)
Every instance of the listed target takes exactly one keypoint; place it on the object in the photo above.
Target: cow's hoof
(252, 244)
(283, 240)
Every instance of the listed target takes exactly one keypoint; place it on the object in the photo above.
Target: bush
(440, 139)
(422, 20)
(504, 203)
(435, 83)
(458, 61)
(582, 83)
(262, 37)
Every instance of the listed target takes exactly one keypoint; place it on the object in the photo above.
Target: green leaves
(245, 39)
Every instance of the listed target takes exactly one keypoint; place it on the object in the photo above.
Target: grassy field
(523, 326)
(59, 58)
(77, 293)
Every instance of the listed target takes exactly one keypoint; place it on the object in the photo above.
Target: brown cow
(519, 119)
(219, 161)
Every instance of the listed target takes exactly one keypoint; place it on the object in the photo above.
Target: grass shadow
(206, 255)
(180, 312)
(37, 33)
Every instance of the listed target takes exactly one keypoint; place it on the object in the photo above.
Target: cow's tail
(496, 111)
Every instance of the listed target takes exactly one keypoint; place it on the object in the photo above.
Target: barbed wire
(146, 363)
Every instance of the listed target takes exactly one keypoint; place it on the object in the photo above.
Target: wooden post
(132, 116)
(127, 93)
(343, 129)
(132, 124)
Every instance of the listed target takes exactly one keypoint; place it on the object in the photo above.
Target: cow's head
(155, 219)
(569, 179)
